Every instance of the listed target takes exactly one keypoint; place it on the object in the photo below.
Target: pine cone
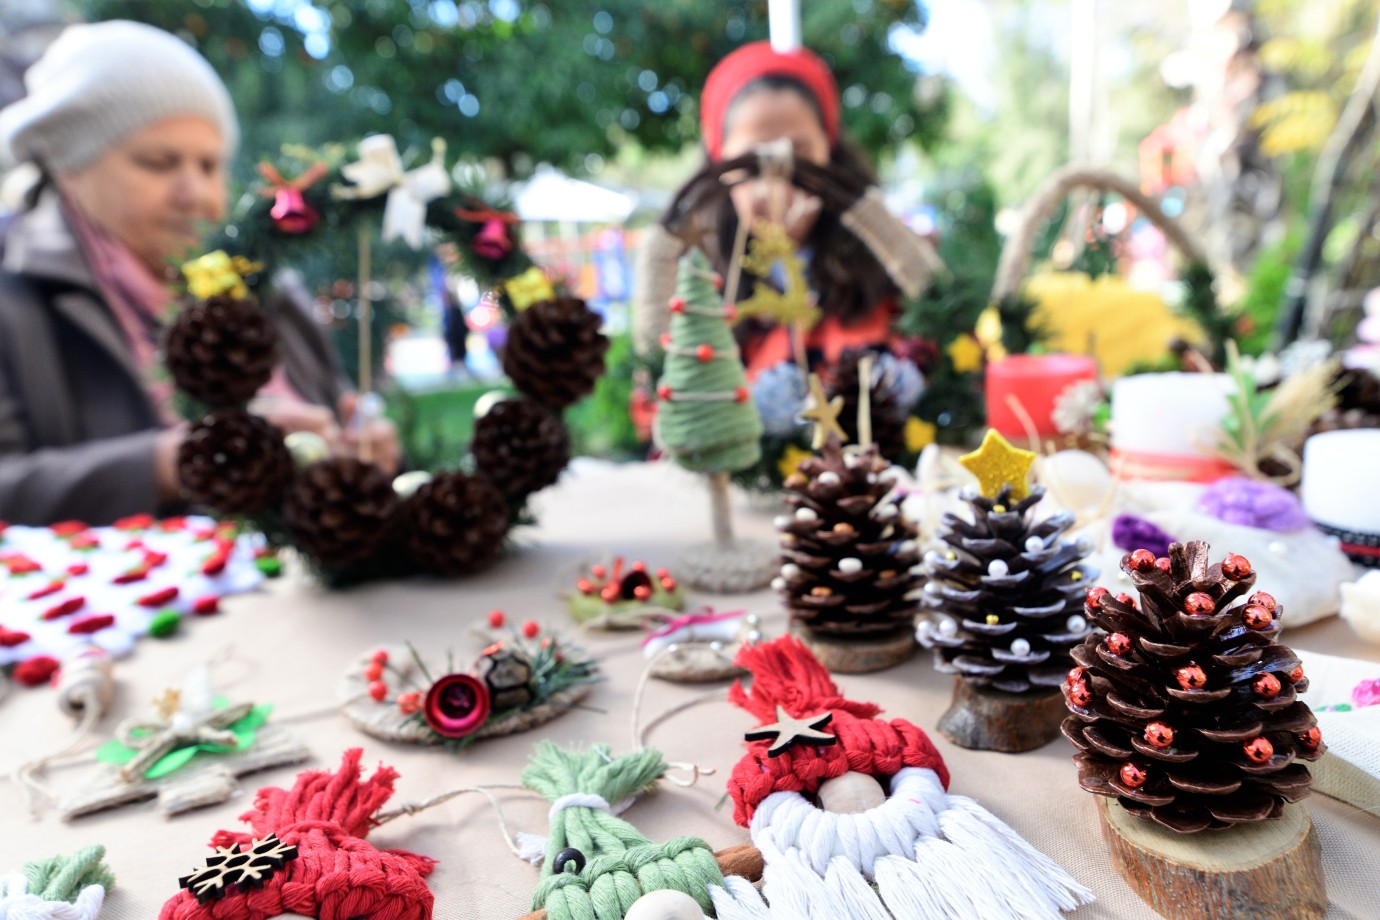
(1187, 710)
(221, 351)
(455, 523)
(341, 510)
(555, 351)
(1011, 589)
(888, 416)
(847, 551)
(234, 462)
(520, 447)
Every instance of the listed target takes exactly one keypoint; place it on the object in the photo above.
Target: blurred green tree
(519, 81)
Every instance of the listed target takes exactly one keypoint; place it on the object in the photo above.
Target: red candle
(1037, 381)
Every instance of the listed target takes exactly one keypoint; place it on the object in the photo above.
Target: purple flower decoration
(1253, 504)
(1132, 533)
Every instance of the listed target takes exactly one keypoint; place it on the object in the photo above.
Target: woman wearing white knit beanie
(130, 131)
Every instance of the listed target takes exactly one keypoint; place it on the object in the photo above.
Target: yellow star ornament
(996, 463)
(966, 354)
(790, 460)
(823, 414)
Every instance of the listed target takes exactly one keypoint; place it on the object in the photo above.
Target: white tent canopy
(550, 195)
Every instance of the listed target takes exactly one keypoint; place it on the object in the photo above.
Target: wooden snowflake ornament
(242, 868)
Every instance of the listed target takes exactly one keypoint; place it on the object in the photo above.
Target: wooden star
(786, 731)
(823, 414)
(996, 463)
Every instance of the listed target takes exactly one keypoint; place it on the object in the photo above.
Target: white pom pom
(806, 514)
(850, 566)
(1020, 647)
(828, 478)
(778, 584)
(930, 586)
(947, 627)
(781, 522)
(1034, 544)
(997, 568)
(1077, 624)
(790, 570)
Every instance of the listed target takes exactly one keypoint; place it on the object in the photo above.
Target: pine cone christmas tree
(234, 462)
(1011, 591)
(847, 551)
(341, 510)
(220, 351)
(455, 523)
(555, 351)
(520, 447)
(888, 416)
(1187, 710)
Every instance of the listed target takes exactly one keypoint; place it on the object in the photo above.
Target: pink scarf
(139, 300)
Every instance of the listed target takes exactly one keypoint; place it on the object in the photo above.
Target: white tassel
(531, 847)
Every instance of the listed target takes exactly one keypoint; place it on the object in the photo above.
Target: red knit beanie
(786, 674)
(752, 62)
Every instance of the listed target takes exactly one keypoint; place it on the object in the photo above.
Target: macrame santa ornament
(861, 852)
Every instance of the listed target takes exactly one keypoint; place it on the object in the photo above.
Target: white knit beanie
(98, 83)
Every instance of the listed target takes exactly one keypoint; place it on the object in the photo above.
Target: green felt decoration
(164, 624)
(117, 752)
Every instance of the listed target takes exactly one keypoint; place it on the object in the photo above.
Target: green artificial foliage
(706, 425)
(600, 425)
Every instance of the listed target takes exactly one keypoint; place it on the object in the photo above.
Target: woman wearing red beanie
(859, 258)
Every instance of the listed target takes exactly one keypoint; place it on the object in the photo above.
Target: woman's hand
(293, 416)
(369, 436)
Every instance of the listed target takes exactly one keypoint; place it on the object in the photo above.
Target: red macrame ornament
(337, 874)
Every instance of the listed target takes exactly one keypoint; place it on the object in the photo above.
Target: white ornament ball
(1034, 544)
(778, 584)
(828, 478)
(947, 627)
(306, 447)
(781, 522)
(1077, 624)
(406, 484)
(1077, 478)
(790, 570)
(850, 566)
(806, 514)
(998, 569)
(1020, 647)
(665, 904)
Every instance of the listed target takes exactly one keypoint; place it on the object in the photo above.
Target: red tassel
(786, 673)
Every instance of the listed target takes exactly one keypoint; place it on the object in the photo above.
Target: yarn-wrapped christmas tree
(1007, 591)
(847, 557)
(707, 423)
(1186, 714)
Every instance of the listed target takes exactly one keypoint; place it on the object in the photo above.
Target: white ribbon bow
(380, 170)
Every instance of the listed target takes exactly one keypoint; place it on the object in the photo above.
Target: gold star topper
(823, 414)
(786, 731)
(996, 463)
(769, 245)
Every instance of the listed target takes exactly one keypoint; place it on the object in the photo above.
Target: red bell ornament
(291, 213)
(493, 241)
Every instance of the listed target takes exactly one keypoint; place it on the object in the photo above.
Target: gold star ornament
(786, 732)
(823, 414)
(769, 245)
(996, 463)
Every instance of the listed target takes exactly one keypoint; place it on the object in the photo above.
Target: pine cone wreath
(520, 447)
(1187, 709)
(888, 415)
(234, 462)
(1009, 591)
(555, 351)
(847, 552)
(455, 523)
(221, 351)
(341, 510)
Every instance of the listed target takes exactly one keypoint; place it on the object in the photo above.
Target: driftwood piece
(1269, 870)
(983, 719)
(859, 655)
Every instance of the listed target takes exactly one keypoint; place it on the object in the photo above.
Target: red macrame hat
(752, 62)
(336, 874)
(786, 674)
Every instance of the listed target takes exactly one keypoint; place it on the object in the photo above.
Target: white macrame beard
(922, 854)
(17, 904)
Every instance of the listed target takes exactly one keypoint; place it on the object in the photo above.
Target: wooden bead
(850, 794)
(1199, 604)
(666, 904)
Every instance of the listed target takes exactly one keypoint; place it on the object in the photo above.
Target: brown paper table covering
(290, 643)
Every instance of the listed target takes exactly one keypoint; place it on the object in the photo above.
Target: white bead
(781, 522)
(664, 904)
(790, 570)
(1020, 647)
(998, 569)
(872, 479)
(907, 546)
(1077, 624)
(885, 512)
(850, 566)
(778, 584)
(947, 627)
(930, 586)
(408, 483)
(1034, 544)
(752, 619)
(828, 478)
(850, 794)
(917, 570)
(806, 514)
(306, 447)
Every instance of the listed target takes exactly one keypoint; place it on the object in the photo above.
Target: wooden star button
(787, 731)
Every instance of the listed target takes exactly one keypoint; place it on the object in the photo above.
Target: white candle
(783, 19)
(1341, 479)
(1169, 414)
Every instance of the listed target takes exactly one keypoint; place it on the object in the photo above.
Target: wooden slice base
(1269, 870)
(983, 719)
(862, 655)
